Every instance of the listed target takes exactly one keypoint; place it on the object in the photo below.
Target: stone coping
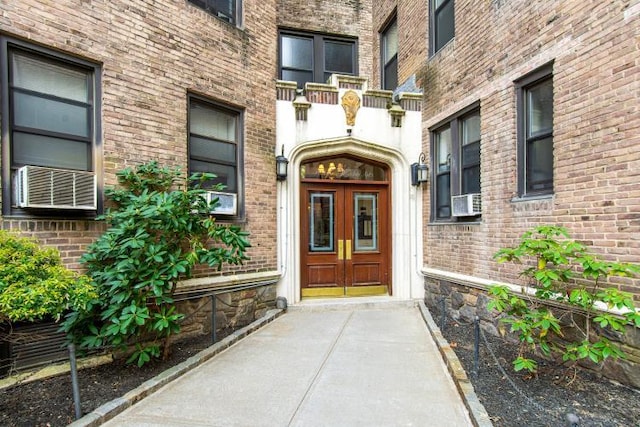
(110, 409)
(477, 412)
(484, 284)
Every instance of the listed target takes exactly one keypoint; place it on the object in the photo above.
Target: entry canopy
(342, 168)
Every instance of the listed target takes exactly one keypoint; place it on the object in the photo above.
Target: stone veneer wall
(464, 302)
(234, 310)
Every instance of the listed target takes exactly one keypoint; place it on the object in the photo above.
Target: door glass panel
(365, 224)
(321, 222)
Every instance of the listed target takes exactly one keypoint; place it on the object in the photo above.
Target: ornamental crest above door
(351, 105)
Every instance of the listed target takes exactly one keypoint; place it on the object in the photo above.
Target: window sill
(444, 47)
(477, 221)
(532, 198)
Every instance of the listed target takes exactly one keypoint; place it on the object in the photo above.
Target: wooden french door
(345, 239)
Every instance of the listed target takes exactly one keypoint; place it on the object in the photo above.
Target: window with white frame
(51, 113)
(215, 144)
(389, 55)
(535, 133)
(455, 161)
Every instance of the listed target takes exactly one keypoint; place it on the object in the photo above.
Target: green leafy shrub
(562, 271)
(34, 285)
(159, 229)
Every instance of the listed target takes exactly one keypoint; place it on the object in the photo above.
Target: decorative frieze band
(285, 91)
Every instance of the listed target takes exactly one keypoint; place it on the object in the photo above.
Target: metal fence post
(214, 325)
(74, 380)
(476, 347)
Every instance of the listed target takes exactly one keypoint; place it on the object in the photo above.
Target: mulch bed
(519, 399)
(49, 402)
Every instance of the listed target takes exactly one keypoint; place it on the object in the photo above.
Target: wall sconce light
(419, 171)
(281, 166)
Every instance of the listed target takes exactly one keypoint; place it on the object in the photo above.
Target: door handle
(340, 249)
(349, 249)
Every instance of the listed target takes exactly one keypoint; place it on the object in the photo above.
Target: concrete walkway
(348, 365)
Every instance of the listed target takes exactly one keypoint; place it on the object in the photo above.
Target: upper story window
(442, 23)
(389, 55)
(456, 163)
(227, 10)
(308, 57)
(535, 133)
(215, 145)
(50, 117)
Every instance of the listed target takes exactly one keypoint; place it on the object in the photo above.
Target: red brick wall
(596, 77)
(152, 53)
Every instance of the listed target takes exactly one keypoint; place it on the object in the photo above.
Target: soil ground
(516, 399)
(544, 400)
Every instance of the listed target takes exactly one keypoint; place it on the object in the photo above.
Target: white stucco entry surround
(325, 134)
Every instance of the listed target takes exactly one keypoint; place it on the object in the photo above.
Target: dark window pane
(443, 150)
(54, 116)
(213, 143)
(297, 52)
(443, 196)
(338, 57)
(471, 154)
(225, 175)
(224, 9)
(391, 74)
(540, 165)
(470, 129)
(207, 121)
(471, 168)
(471, 180)
(301, 77)
(203, 149)
(321, 222)
(540, 109)
(390, 42)
(445, 28)
(50, 152)
(51, 79)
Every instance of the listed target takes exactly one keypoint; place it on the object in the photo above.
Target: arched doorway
(345, 224)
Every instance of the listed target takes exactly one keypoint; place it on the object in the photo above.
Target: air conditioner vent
(466, 205)
(47, 188)
(227, 202)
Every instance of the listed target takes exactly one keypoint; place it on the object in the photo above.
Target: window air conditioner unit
(227, 202)
(47, 188)
(466, 205)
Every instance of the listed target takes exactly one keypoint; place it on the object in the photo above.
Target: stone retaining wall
(234, 310)
(464, 302)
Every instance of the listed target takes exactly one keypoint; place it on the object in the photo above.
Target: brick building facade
(588, 57)
(150, 58)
